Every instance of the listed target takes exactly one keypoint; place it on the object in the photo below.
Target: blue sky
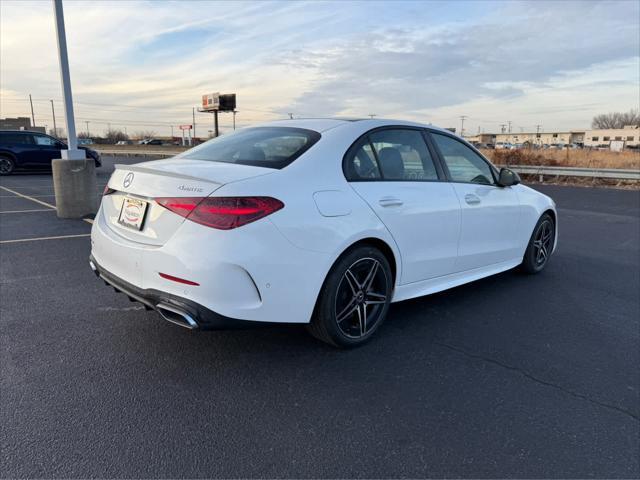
(144, 65)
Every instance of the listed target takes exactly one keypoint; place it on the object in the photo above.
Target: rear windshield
(272, 147)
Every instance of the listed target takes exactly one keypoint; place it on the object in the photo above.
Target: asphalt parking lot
(511, 376)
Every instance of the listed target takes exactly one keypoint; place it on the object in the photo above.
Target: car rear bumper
(172, 308)
(249, 274)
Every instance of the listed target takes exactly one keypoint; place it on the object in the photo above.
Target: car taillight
(107, 190)
(223, 213)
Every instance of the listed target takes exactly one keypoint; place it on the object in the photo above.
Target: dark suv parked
(24, 150)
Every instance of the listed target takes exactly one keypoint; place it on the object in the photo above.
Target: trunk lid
(165, 178)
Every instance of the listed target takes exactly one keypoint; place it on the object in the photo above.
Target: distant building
(482, 139)
(19, 123)
(542, 138)
(630, 135)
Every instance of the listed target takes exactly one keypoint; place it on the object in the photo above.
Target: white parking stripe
(33, 199)
(44, 238)
(28, 197)
(39, 196)
(28, 211)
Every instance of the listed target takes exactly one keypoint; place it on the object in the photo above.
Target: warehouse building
(630, 135)
(542, 138)
(19, 123)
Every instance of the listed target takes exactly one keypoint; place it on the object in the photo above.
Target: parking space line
(33, 199)
(28, 211)
(19, 240)
(28, 197)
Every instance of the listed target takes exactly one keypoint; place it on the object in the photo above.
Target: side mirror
(508, 178)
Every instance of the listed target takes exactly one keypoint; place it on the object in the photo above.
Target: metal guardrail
(541, 171)
(613, 173)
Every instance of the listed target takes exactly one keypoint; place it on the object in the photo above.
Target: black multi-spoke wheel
(354, 299)
(540, 245)
(361, 297)
(6, 166)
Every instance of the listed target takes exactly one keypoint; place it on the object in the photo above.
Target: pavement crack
(531, 377)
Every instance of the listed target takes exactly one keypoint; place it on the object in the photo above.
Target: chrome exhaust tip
(175, 315)
(94, 268)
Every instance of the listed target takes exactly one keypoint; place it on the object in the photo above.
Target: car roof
(324, 124)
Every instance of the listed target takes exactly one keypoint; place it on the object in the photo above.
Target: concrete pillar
(75, 187)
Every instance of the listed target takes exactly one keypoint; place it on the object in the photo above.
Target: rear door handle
(390, 202)
(472, 199)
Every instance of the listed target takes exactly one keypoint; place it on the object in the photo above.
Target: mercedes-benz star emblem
(128, 180)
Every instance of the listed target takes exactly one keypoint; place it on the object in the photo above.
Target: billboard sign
(186, 127)
(216, 102)
(211, 102)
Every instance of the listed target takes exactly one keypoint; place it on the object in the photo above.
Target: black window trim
(492, 167)
(366, 138)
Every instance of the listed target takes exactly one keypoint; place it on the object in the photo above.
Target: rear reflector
(177, 279)
(224, 213)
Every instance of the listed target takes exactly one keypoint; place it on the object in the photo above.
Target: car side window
(403, 155)
(44, 140)
(16, 139)
(464, 164)
(361, 163)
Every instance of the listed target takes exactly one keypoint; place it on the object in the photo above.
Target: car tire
(354, 299)
(6, 165)
(540, 245)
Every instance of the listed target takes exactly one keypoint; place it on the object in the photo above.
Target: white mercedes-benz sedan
(316, 221)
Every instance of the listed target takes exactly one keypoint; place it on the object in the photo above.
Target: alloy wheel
(5, 166)
(361, 297)
(543, 242)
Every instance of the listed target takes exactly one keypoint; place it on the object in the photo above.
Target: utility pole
(290, 116)
(538, 129)
(74, 178)
(33, 118)
(502, 127)
(171, 132)
(193, 114)
(371, 115)
(215, 123)
(53, 114)
(234, 119)
(87, 122)
(509, 126)
(462, 119)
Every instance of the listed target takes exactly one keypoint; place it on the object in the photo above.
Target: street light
(74, 177)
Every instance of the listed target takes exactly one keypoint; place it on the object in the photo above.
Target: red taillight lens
(223, 213)
(107, 190)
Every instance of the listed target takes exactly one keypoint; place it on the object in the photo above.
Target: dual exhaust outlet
(170, 313)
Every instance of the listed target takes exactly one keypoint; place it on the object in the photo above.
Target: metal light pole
(74, 177)
(193, 113)
(53, 114)
(33, 118)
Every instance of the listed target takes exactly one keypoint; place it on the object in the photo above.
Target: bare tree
(113, 136)
(58, 132)
(142, 134)
(616, 119)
